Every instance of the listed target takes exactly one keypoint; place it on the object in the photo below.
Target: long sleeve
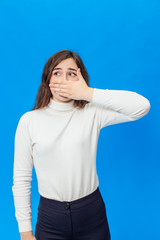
(118, 106)
(22, 175)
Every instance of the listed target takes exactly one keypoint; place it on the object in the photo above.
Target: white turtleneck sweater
(61, 141)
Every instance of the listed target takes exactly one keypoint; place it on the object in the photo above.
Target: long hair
(44, 92)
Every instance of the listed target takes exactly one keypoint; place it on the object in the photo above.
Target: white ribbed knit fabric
(61, 141)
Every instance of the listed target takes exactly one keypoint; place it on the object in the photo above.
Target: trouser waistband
(67, 204)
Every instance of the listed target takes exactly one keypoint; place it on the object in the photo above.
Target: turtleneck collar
(60, 106)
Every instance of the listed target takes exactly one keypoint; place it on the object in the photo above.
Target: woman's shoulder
(24, 118)
(28, 116)
(31, 114)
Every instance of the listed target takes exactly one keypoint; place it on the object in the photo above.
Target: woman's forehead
(69, 68)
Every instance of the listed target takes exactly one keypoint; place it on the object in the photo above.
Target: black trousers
(81, 219)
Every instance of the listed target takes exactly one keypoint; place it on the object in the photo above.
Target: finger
(57, 86)
(60, 90)
(53, 85)
(55, 81)
(60, 82)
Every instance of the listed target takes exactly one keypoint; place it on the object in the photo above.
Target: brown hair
(44, 92)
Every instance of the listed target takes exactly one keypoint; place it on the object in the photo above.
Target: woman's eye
(74, 74)
(70, 74)
(56, 73)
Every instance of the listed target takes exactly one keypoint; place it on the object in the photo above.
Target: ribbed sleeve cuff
(98, 95)
(25, 225)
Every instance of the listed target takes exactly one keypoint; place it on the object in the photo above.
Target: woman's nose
(65, 76)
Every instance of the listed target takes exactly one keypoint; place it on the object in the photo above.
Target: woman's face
(65, 70)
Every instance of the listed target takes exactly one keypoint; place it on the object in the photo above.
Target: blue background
(118, 42)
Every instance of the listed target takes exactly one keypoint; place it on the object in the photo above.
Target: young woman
(59, 136)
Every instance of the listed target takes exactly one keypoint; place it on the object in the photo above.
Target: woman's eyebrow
(68, 69)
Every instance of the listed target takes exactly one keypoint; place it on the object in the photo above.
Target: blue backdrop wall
(119, 44)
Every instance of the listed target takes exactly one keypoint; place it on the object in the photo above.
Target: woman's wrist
(88, 94)
(26, 234)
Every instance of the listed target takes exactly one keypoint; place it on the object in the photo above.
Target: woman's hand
(77, 89)
(27, 236)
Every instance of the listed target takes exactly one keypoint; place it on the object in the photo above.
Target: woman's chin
(61, 98)
(64, 97)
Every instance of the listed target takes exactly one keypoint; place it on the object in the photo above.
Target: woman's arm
(22, 175)
(117, 106)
